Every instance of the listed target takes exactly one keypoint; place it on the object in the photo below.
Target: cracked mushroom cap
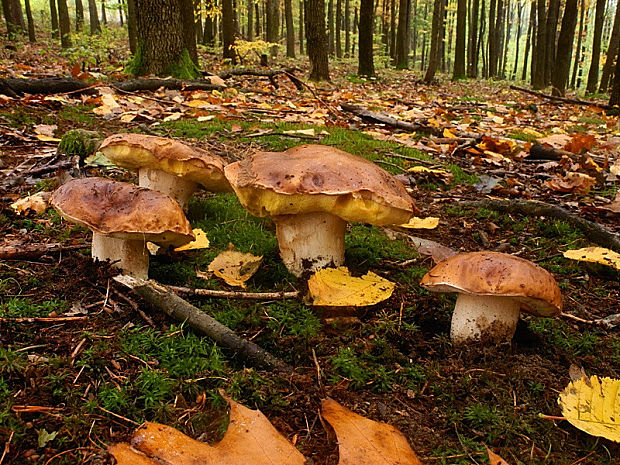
(498, 274)
(122, 210)
(135, 151)
(318, 178)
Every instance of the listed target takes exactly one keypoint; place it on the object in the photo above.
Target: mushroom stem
(482, 317)
(131, 256)
(310, 241)
(178, 188)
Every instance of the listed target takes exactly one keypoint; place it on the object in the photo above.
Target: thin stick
(237, 294)
(42, 319)
(6, 447)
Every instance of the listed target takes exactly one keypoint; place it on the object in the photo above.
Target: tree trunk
(301, 27)
(366, 65)
(228, 31)
(385, 36)
(120, 12)
(565, 47)
(161, 40)
(392, 28)
(538, 77)
(433, 55)
(492, 67)
(290, 29)
(189, 28)
(519, 18)
(271, 26)
(250, 10)
(65, 25)
(31, 35)
(472, 65)
(552, 28)
(347, 29)
(17, 15)
(596, 47)
(499, 37)
(612, 51)
(54, 18)
(481, 46)
(459, 50)
(131, 26)
(402, 49)
(614, 98)
(104, 14)
(330, 28)
(355, 28)
(338, 28)
(528, 40)
(507, 27)
(95, 26)
(317, 40)
(79, 15)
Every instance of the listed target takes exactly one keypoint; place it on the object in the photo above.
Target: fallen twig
(42, 319)
(595, 232)
(241, 295)
(28, 252)
(174, 306)
(562, 99)
(390, 121)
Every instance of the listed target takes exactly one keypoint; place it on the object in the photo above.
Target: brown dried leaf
(580, 143)
(235, 267)
(495, 459)
(127, 455)
(572, 182)
(365, 442)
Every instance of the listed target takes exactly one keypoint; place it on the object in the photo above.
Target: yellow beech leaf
(424, 169)
(173, 117)
(421, 223)
(197, 103)
(532, 132)
(37, 203)
(200, 242)
(44, 138)
(593, 405)
(449, 134)
(335, 287)
(362, 441)
(235, 268)
(595, 255)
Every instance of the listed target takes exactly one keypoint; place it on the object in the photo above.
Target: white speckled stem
(489, 318)
(132, 257)
(176, 187)
(310, 241)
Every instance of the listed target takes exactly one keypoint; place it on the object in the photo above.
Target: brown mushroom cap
(135, 151)
(497, 274)
(122, 210)
(318, 178)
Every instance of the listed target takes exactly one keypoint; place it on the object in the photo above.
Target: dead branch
(181, 310)
(562, 99)
(237, 294)
(595, 232)
(15, 87)
(174, 84)
(42, 319)
(381, 118)
(28, 252)
(270, 73)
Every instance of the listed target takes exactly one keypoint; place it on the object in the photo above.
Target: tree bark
(596, 47)
(402, 49)
(131, 26)
(65, 25)
(317, 40)
(528, 41)
(272, 23)
(433, 54)
(492, 67)
(338, 28)
(16, 16)
(565, 47)
(54, 18)
(330, 28)
(392, 28)
(614, 99)
(189, 29)
(538, 76)
(366, 65)
(95, 26)
(472, 65)
(250, 12)
(347, 29)
(290, 29)
(612, 51)
(104, 15)
(301, 27)
(79, 16)
(578, 51)
(519, 18)
(459, 50)
(228, 31)
(31, 34)
(552, 28)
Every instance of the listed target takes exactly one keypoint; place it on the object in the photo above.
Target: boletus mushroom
(493, 289)
(310, 192)
(123, 218)
(167, 165)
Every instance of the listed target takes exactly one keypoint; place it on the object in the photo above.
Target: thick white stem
(176, 187)
(132, 257)
(310, 241)
(486, 318)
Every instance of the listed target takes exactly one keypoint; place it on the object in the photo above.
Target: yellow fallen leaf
(235, 268)
(128, 116)
(197, 103)
(201, 119)
(216, 81)
(532, 132)
(37, 203)
(335, 287)
(431, 173)
(595, 255)
(173, 117)
(593, 405)
(200, 242)
(449, 134)
(306, 132)
(44, 138)
(362, 441)
(615, 168)
(421, 223)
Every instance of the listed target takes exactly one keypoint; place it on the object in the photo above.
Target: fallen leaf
(45, 129)
(306, 132)
(580, 143)
(362, 441)
(44, 138)
(37, 203)
(250, 438)
(501, 147)
(432, 174)
(336, 287)
(532, 132)
(593, 405)
(615, 168)
(421, 223)
(45, 437)
(595, 255)
(200, 242)
(234, 267)
(173, 117)
(571, 182)
(127, 455)
(495, 459)
(197, 103)
(216, 80)
(449, 134)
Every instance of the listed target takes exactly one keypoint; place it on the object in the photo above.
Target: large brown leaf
(365, 442)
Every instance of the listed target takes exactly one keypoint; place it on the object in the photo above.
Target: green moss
(137, 63)
(181, 68)
(80, 142)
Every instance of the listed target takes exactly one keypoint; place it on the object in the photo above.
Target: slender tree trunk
(442, 36)
(366, 65)
(528, 40)
(424, 40)
(338, 28)
(385, 36)
(596, 47)
(433, 55)
(65, 25)
(272, 25)
(104, 15)
(565, 47)
(612, 51)
(579, 53)
(301, 27)
(459, 50)
(481, 46)
(492, 67)
(131, 26)
(472, 65)
(507, 26)
(347, 29)
(499, 37)
(228, 31)
(250, 12)
(392, 29)
(54, 17)
(538, 78)
(402, 49)
(290, 30)
(614, 98)
(95, 26)
(189, 29)
(31, 35)
(257, 20)
(552, 27)
(330, 27)
(79, 15)
(356, 25)
(317, 40)
(16, 14)
(120, 12)
(513, 76)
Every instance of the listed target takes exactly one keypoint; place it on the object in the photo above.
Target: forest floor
(70, 388)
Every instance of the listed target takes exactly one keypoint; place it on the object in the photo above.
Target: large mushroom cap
(318, 178)
(122, 210)
(135, 151)
(497, 274)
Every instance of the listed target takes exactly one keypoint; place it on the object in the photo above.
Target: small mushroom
(310, 192)
(167, 165)
(493, 288)
(123, 218)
